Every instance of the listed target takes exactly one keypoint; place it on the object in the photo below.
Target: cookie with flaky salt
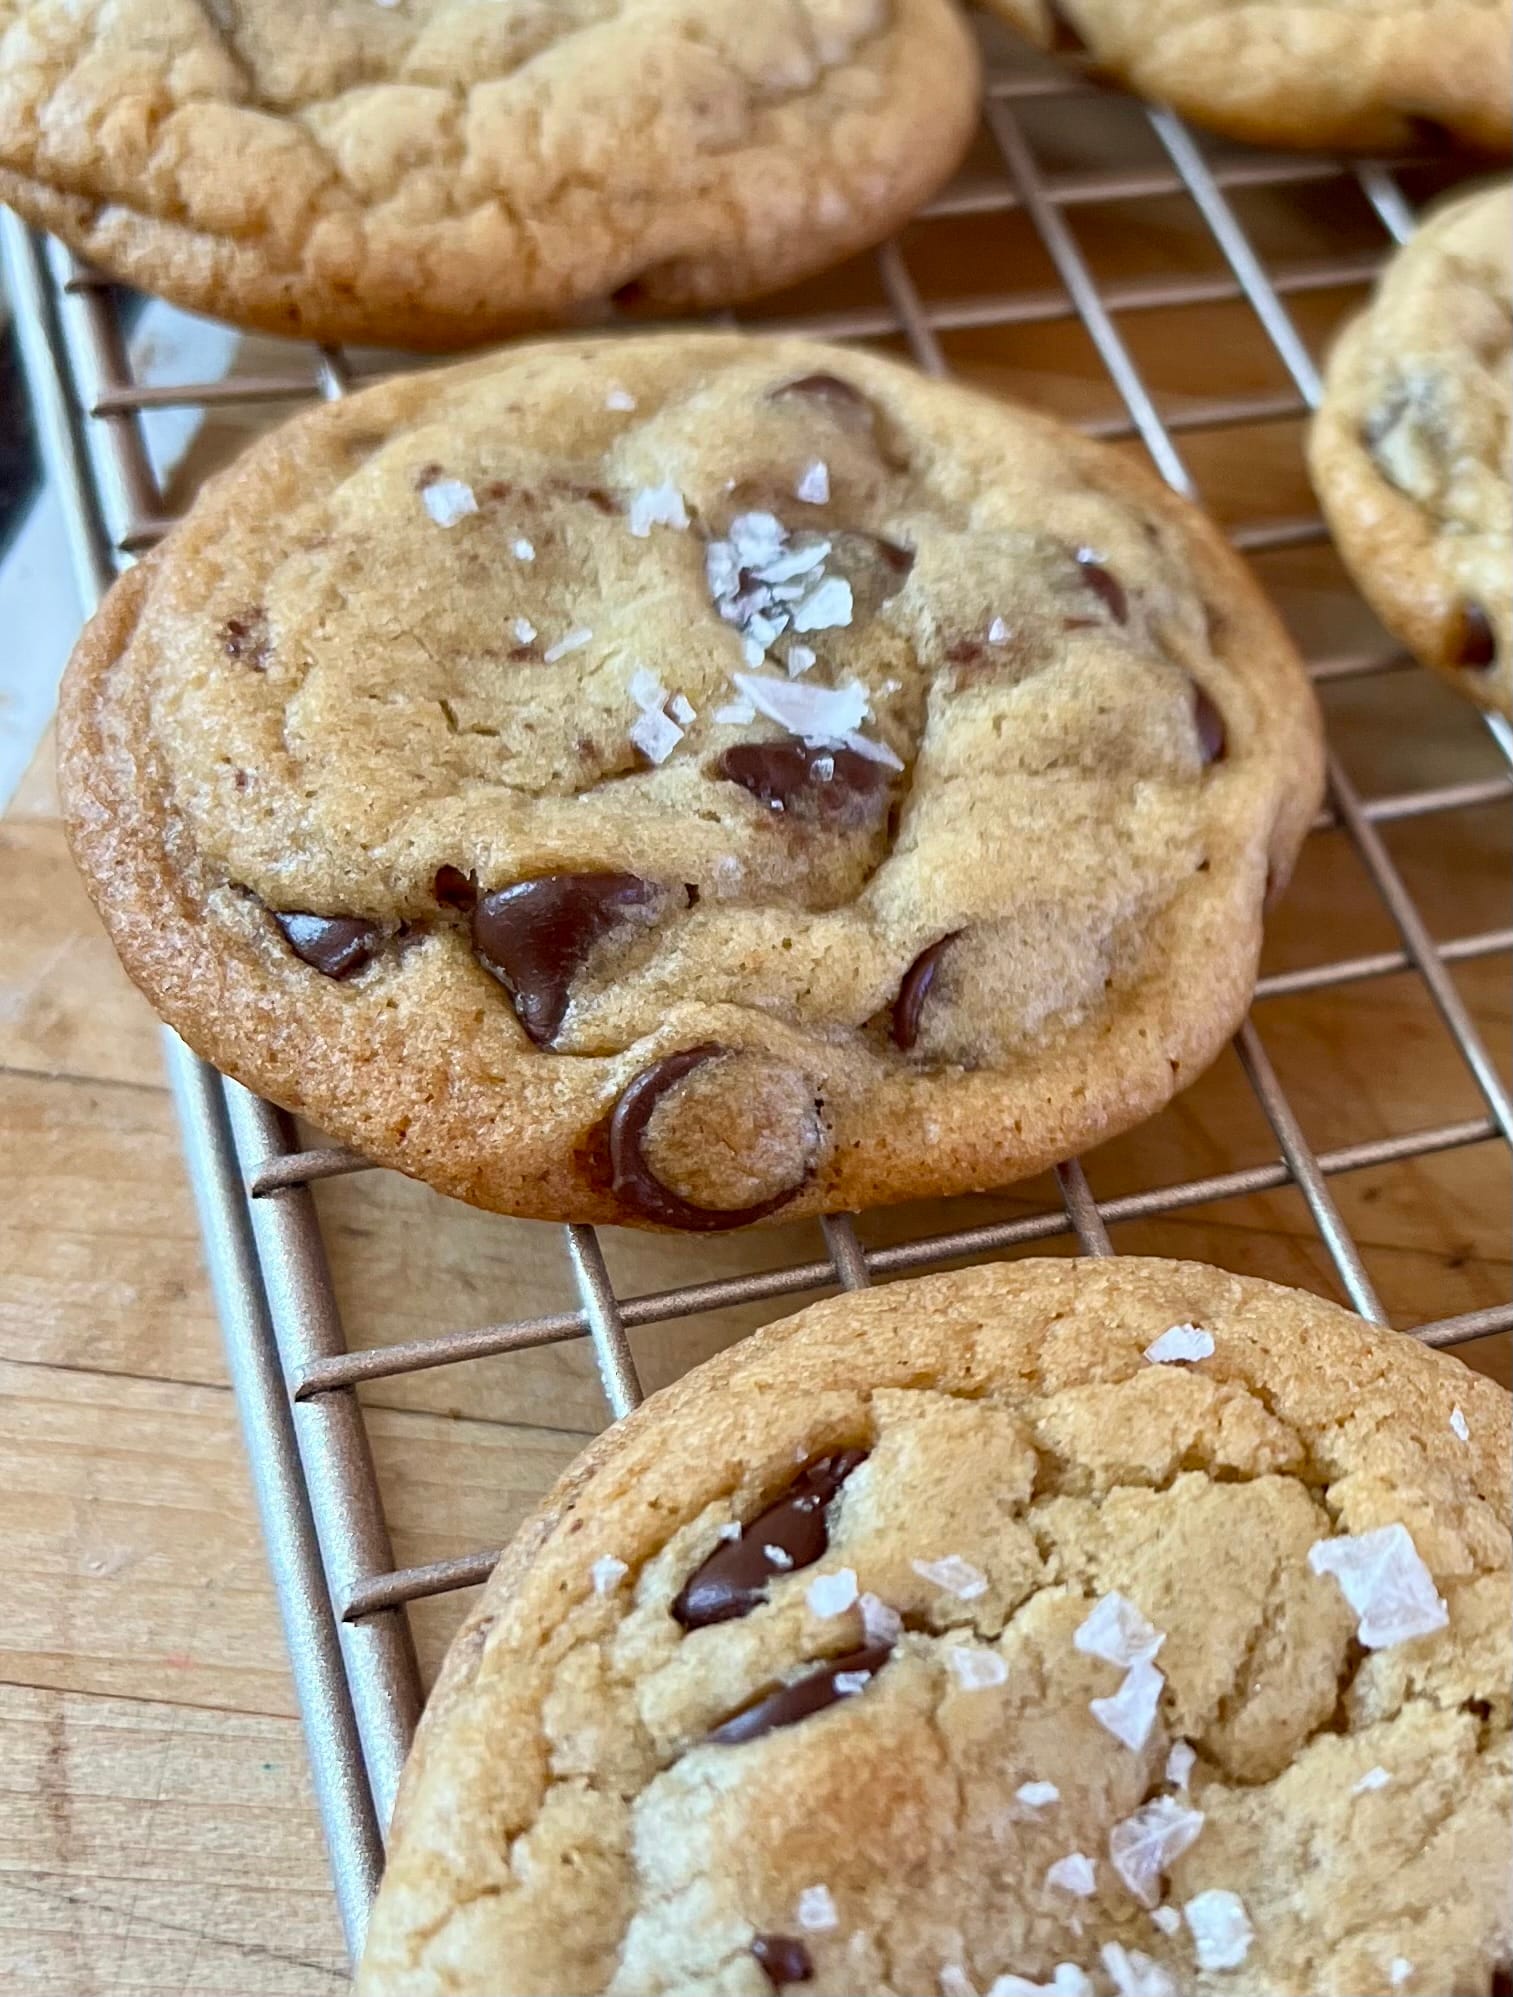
(691, 781)
(1095, 1629)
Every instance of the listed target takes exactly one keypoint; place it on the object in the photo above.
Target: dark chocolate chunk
(535, 935)
(336, 945)
(1476, 641)
(783, 1959)
(1104, 585)
(734, 1578)
(915, 989)
(834, 785)
(633, 1179)
(455, 889)
(1213, 739)
(846, 404)
(1502, 1983)
(805, 1696)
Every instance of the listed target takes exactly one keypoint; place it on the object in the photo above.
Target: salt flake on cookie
(1385, 1581)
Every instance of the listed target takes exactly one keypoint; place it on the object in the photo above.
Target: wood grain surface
(158, 1833)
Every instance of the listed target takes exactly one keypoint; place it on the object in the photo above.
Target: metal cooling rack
(341, 1596)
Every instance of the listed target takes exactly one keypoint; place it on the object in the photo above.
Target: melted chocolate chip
(846, 404)
(783, 1959)
(245, 639)
(337, 945)
(633, 1179)
(535, 936)
(1213, 739)
(455, 889)
(1476, 641)
(805, 1696)
(914, 989)
(835, 785)
(1066, 37)
(734, 1578)
(1104, 585)
(1502, 1983)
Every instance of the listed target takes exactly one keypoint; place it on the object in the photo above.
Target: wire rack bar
(342, 1597)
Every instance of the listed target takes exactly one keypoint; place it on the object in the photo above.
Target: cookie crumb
(958, 1577)
(1385, 1581)
(1220, 1928)
(448, 500)
(1181, 1344)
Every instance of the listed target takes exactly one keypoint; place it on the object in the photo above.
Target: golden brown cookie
(1382, 75)
(434, 173)
(1410, 450)
(691, 780)
(1078, 1627)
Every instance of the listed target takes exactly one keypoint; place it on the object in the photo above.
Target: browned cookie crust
(1410, 449)
(509, 769)
(1379, 75)
(1039, 1653)
(438, 172)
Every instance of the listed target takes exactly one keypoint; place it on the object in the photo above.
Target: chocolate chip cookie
(438, 172)
(1410, 450)
(1066, 1627)
(1387, 76)
(691, 781)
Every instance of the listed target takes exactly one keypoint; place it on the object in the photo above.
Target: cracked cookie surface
(1058, 1661)
(439, 172)
(1410, 450)
(1374, 74)
(509, 770)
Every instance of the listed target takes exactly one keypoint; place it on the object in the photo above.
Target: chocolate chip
(337, 945)
(245, 639)
(846, 404)
(1104, 585)
(1476, 641)
(455, 889)
(1502, 1983)
(834, 785)
(535, 936)
(914, 989)
(734, 1578)
(633, 1179)
(812, 1694)
(1213, 739)
(783, 1959)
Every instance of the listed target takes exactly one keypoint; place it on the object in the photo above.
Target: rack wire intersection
(341, 1596)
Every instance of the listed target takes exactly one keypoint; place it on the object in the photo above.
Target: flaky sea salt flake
(1116, 1631)
(730, 1530)
(525, 631)
(1458, 1424)
(734, 714)
(619, 398)
(799, 661)
(880, 1623)
(523, 550)
(976, 1670)
(646, 690)
(875, 752)
(570, 641)
(1180, 1345)
(779, 1557)
(1149, 1843)
(998, 632)
(818, 714)
(608, 1573)
(849, 1682)
(816, 1910)
(1180, 1763)
(1035, 1795)
(448, 500)
(1220, 1928)
(832, 1594)
(955, 1982)
(656, 506)
(1135, 1974)
(957, 1576)
(1167, 1919)
(1399, 1970)
(827, 607)
(1374, 1778)
(813, 485)
(799, 560)
(682, 709)
(1130, 1713)
(1386, 1583)
(1067, 1980)
(1074, 1874)
(655, 736)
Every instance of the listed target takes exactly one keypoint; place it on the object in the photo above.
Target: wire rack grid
(342, 1598)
